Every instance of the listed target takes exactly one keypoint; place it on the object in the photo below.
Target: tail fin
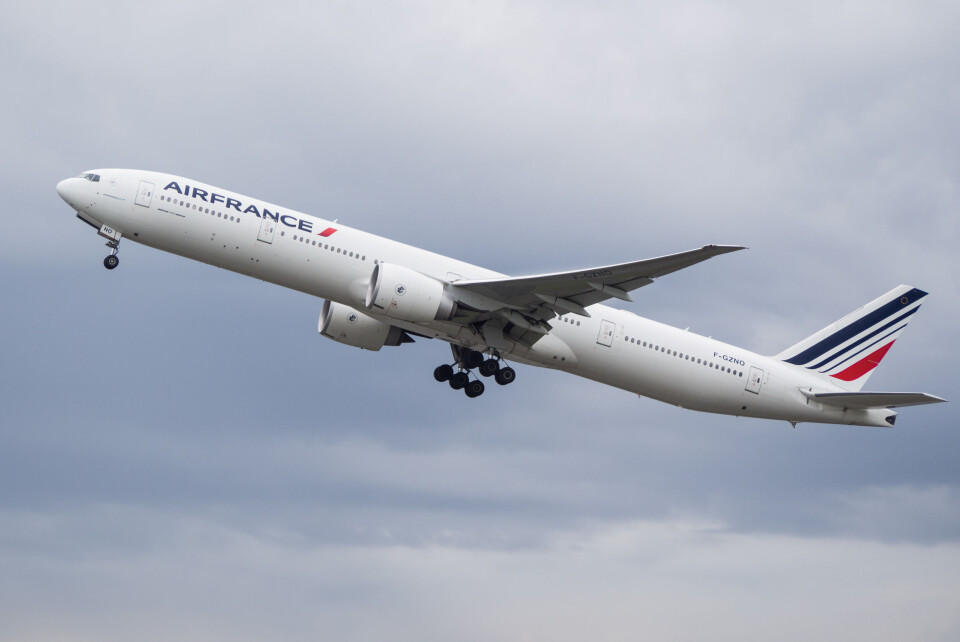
(847, 351)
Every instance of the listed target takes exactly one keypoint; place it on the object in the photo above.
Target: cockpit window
(91, 177)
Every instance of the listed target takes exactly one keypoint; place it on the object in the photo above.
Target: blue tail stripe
(865, 348)
(864, 338)
(855, 328)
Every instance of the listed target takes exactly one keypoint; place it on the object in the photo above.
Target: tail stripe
(848, 332)
(866, 337)
(863, 366)
(892, 333)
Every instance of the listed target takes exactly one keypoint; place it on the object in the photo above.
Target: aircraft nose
(67, 189)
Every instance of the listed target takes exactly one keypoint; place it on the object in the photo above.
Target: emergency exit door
(268, 228)
(144, 194)
(607, 330)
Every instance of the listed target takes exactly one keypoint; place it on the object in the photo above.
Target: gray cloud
(181, 454)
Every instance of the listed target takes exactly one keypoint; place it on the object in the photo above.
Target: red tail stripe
(863, 366)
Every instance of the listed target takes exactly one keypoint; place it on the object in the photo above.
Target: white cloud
(666, 580)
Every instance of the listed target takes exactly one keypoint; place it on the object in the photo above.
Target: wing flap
(865, 400)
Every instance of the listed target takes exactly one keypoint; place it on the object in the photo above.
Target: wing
(874, 399)
(586, 287)
(528, 302)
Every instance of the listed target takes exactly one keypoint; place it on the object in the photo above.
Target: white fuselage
(612, 346)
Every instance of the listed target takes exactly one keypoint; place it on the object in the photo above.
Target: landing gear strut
(465, 360)
(113, 242)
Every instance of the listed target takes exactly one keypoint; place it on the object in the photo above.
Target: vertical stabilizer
(847, 351)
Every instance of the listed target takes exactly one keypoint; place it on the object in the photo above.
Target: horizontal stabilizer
(864, 400)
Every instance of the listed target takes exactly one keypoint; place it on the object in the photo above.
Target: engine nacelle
(346, 325)
(399, 292)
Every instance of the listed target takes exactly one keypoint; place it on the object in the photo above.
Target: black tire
(474, 388)
(111, 262)
(459, 380)
(443, 373)
(506, 376)
(489, 367)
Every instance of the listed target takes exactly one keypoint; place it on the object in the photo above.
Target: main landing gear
(466, 360)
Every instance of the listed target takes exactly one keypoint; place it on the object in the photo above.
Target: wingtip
(722, 249)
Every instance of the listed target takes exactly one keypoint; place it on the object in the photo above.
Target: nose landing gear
(113, 242)
(112, 260)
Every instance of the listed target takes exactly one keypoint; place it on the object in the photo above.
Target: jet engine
(399, 292)
(346, 325)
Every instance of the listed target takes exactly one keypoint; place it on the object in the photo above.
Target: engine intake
(399, 292)
(343, 324)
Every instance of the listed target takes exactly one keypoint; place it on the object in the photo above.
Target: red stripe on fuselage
(863, 366)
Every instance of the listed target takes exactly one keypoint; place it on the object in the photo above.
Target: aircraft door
(607, 330)
(755, 380)
(268, 228)
(144, 194)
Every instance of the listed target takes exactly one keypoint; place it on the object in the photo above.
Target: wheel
(111, 262)
(489, 367)
(443, 373)
(506, 375)
(474, 388)
(459, 380)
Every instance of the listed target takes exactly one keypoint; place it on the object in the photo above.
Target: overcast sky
(183, 457)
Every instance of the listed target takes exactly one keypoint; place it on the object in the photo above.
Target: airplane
(378, 292)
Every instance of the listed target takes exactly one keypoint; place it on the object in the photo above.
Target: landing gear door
(607, 330)
(144, 194)
(268, 228)
(755, 380)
